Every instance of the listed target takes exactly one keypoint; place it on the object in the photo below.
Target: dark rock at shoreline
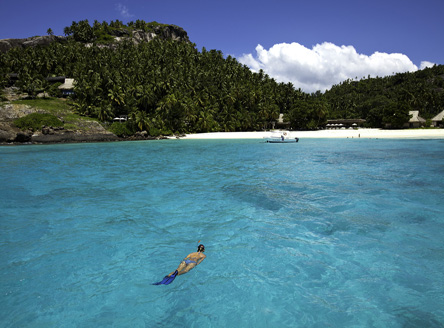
(65, 136)
(72, 137)
(22, 137)
(144, 136)
(7, 133)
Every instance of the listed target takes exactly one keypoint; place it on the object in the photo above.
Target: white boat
(280, 137)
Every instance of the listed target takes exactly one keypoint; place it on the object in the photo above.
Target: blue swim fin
(167, 279)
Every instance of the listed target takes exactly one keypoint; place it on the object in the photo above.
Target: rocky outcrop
(139, 36)
(171, 32)
(7, 44)
(67, 136)
(9, 134)
(8, 113)
(88, 130)
(165, 32)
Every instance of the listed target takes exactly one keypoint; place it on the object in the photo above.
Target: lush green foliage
(121, 129)
(36, 121)
(51, 105)
(103, 32)
(2, 96)
(308, 114)
(378, 99)
(169, 86)
(163, 86)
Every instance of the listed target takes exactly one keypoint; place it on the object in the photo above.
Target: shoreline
(321, 134)
(67, 138)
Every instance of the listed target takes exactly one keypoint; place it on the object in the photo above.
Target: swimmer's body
(186, 265)
(190, 261)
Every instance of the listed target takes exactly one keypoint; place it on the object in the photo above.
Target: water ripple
(335, 233)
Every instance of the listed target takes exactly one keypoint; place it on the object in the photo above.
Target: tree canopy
(378, 99)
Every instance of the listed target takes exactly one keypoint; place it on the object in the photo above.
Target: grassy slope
(61, 108)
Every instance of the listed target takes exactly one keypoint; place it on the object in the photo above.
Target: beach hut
(67, 87)
(438, 120)
(280, 123)
(415, 121)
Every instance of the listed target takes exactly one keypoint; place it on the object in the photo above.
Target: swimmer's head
(201, 248)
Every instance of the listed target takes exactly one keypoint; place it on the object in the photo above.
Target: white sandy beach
(350, 133)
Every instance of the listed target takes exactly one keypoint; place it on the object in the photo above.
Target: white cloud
(123, 10)
(425, 64)
(324, 65)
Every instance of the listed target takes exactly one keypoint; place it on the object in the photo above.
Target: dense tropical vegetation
(388, 100)
(167, 86)
(36, 121)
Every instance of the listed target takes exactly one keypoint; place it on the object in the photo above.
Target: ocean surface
(323, 233)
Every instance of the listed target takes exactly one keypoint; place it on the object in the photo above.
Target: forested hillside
(378, 100)
(168, 86)
(165, 86)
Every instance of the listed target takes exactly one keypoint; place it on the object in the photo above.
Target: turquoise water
(323, 233)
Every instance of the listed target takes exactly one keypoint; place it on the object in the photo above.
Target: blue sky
(312, 44)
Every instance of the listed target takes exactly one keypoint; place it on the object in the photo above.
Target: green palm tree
(141, 120)
(105, 112)
(205, 122)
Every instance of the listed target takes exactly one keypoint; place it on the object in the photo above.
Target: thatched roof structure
(415, 117)
(438, 117)
(68, 85)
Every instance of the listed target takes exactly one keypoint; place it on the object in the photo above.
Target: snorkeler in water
(189, 262)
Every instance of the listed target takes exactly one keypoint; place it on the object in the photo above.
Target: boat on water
(280, 137)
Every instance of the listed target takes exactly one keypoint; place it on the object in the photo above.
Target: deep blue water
(323, 233)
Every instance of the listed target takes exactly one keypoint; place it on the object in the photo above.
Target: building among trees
(67, 87)
(438, 120)
(415, 121)
(345, 123)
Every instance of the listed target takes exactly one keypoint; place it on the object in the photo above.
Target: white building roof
(415, 117)
(438, 117)
(68, 85)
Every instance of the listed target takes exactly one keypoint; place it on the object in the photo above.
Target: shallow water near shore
(326, 232)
